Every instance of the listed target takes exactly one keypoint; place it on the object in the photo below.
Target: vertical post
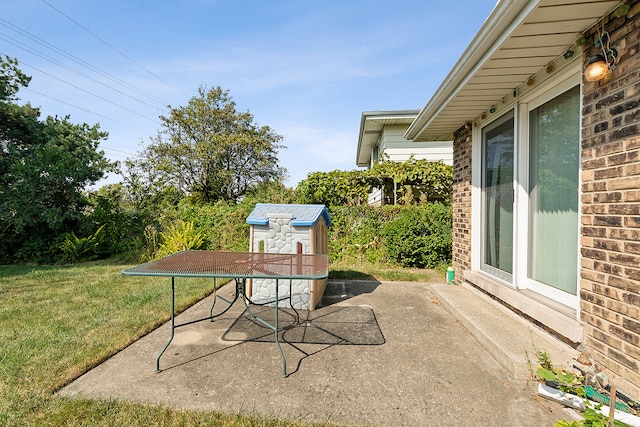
(395, 193)
(612, 405)
(276, 329)
(173, 325)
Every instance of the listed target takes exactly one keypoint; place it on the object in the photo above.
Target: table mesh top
(235, 265)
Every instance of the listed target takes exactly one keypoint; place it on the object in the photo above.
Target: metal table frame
(238, 266)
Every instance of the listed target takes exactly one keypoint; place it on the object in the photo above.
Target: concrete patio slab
(385, 354)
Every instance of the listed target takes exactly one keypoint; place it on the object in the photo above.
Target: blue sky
(306, 68)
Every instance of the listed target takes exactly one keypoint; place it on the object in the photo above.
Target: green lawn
(58, 322)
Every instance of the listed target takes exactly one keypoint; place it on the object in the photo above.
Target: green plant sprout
(76, 248)
(571, 383)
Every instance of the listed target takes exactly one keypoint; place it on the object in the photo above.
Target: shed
(289, 229)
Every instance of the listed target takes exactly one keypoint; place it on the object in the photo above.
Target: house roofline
(504, 15)
(380, 115)
(529, 38)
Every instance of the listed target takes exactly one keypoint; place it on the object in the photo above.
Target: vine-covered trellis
(409, 182)
(412, 181)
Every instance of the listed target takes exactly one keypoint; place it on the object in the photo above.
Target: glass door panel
(498, 194)
(554, 161)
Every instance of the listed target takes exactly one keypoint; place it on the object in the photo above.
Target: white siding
(431, 151)
(398, 149)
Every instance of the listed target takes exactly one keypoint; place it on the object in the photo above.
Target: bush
(420, 236)
(356, 232)
(122, 226)
(77, 248)
(223, 223)
(182, 237)
(334, 189)
(410, 235)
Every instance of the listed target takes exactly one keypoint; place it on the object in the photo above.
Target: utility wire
(90, 93)
(114, 48)
(78, 61)
(119, 151)
(85, 110)
(27, 48)
(125, 154)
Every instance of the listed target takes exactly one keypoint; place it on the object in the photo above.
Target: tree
(210, 151)
(44, 168)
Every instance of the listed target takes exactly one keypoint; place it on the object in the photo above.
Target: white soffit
(519, 39)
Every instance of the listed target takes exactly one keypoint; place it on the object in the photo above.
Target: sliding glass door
(528, 228)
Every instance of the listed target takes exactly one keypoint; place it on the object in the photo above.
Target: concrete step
(511, 340)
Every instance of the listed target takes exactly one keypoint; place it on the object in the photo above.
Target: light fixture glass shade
(597, 68)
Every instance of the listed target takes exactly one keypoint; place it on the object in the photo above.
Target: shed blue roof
(303, 215)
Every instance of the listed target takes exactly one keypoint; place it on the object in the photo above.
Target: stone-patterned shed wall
(289, 229)
(279, 236)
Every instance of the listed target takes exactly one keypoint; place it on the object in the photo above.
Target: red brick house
(547, 170)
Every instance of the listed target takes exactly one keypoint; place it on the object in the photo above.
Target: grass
(366, 271)
(60, 321)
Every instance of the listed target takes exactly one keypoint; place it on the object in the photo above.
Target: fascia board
(503, 20)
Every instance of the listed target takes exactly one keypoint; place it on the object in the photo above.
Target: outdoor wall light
(599, 66)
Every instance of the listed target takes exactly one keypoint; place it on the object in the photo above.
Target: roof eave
(363, 120)
(506, 14)
(362, 159)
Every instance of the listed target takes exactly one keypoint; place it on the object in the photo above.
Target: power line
(27, 48)
(84, 109)
(118, 151)
(73, 58)
(90, 93)
(114, 48)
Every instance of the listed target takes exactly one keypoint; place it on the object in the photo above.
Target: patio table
(238, 266)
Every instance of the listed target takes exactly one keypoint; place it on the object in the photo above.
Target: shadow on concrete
(339, 290)
(425, 369)
(332, 325)
(306, 330)
(349, 275)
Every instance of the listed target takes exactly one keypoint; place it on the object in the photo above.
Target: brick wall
(610, 220)
(462, 201)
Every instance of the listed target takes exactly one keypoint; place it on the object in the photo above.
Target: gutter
(503, 20)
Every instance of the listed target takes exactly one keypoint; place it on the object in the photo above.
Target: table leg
(239, 291)
(227, 301)
(173, 324)
(284, 361)
(275, 327)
